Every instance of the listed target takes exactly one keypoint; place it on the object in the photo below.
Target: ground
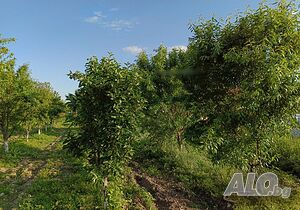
(39, 174)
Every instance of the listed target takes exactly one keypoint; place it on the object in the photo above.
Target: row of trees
(234, 88)
(234, 91)
(24, 103)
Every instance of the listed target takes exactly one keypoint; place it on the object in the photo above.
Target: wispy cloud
(133, 49)
(120, 24)
(93, 19)
(114, 24)
(96, 18)
(114, 9)
(178, 47)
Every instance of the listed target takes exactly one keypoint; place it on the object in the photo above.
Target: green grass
(192, 167)
(289, 155)
(64, 182)
(138, 197)
(189, 166)
(19, 148)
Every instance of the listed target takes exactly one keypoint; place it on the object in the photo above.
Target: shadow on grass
(18, 151)
(62, 184)
(51, 131)
(34, 148)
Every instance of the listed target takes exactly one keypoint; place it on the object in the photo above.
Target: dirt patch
(168, 195)
(171, 195)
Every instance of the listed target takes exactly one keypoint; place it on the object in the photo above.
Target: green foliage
(14, 95)
(24, 103)
(57, 106)
(106, 109)
(193, 168)
(167, 113)
(288, 150)
(244, 75)
(234, 92)
(189, 166)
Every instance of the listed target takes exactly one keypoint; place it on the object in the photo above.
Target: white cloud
(96, 18)
(114, 9)
(120, 24)
(99, 14)
(92, 19)
(104, 21)
(133, 49)
(178, 47)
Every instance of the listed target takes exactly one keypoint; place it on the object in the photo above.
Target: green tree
(57, 106)
(29, 104)
(105, 109)
(45, 96)
(15, 93)
(244, 76)
(167, 114)
(10, 95)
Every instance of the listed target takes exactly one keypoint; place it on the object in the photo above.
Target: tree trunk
(105, 185)
(27, 134)
(5, 139)
(255, 164)
(179, 139)
(258, 162)
(6, 146)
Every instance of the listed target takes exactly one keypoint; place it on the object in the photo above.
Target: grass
(138, 197)
(289, 159)
(61, 182)
(19, 149)
(192, 168)
(189, 166)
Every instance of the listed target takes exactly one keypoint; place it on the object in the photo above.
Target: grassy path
(32, 168)
(22, 165)
(39, 174)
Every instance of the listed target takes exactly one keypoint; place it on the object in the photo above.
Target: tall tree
(168, 113)
(105, 109)
(244, 74)
(9, 94)
(29, 103)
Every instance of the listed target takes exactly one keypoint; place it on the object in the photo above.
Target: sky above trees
(57, 36)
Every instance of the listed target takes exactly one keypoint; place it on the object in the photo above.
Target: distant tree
(29, 104)
(167, 114)
(44, 99)
(56, 107)
(14, 93)
(244, 76)
(24, 103)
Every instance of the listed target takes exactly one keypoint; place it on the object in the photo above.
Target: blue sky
(56, 36)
